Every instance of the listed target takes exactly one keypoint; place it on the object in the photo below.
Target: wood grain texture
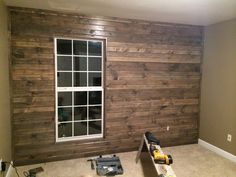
(153, 73)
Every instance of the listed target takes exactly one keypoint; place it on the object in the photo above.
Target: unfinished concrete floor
(189, 161)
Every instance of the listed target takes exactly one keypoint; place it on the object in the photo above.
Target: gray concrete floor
(189, 161)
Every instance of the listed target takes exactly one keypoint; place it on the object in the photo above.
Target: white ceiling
(195, 12)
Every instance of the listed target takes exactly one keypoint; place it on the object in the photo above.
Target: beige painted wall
(218, 93)
(5, 131)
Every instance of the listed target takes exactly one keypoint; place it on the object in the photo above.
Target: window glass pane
(64, 47)
(80, 113)
(64, 114)
(80, 47)
(95, 97)
(64, 63)
(80, 79)
(79, 71)
(80, 64)
(80, 128)
(95, 48)
(64, 79)
(64, 130)
(95, 112)
(95, 79)
(95, 64)
(80, 98)
(95, 127)
(64, 99)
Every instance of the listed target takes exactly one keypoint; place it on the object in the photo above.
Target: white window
(79, 89)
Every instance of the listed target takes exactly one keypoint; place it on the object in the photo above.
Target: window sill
(82, 139)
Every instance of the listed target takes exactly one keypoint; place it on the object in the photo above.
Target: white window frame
(73, 89)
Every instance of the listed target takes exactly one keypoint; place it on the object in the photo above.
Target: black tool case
(108, 166)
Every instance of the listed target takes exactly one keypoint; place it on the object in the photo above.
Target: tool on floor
(107, 166)
(32, 172)
(151, 138)
(159, 157)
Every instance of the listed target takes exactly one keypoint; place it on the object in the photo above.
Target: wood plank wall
(153, 73)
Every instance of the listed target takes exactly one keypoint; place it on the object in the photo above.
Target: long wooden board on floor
(160, 168)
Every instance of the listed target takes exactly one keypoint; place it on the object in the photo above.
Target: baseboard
(9, 171)
(217, 150)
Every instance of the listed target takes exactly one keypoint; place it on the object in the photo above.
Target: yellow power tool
(159, 157)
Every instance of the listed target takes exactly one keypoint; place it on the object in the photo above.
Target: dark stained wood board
(152, 80)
